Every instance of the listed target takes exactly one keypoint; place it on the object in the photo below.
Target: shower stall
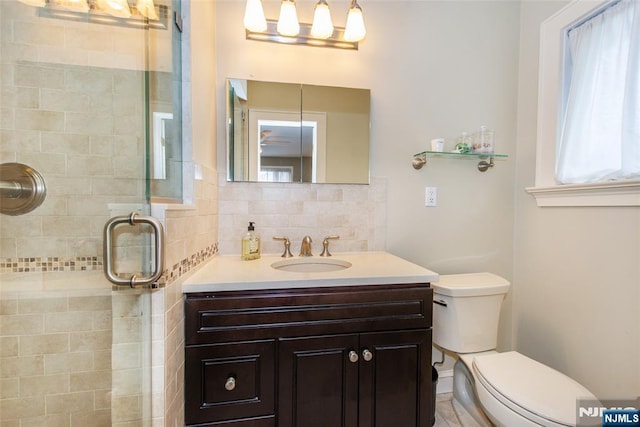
(91, 102)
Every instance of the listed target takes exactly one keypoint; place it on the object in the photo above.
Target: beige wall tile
(41, 247)
(8, 306)
(21, 97)
(127, 330)
(22, 407)
(84, 341)
(25, 324)
(43, 385)
(90, 381)
(42, 305)
(20, 140)
(103, 399)
(89, 303)
(9, 389)
(61, 100)
(38, 33)
(44, 344)
(68, 322)
(99, 418)
(12, 367)
(39, 120)
(127, 356)
(87, 123)
(69, 402)
(102, 359)
(9, 346)
(38, 76)
(21, 226)
(125, 408)
(68, 362)
(55, 420)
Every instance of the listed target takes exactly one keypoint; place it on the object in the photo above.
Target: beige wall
(576, 270)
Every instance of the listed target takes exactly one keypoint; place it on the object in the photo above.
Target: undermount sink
(311, 265)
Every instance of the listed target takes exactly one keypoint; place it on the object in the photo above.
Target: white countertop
(231, 273)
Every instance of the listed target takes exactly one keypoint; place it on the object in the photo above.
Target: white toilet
(506, 389)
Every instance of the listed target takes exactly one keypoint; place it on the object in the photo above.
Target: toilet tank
(466, 311)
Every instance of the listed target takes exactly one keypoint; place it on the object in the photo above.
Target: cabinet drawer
(229, 380)
(254, 314)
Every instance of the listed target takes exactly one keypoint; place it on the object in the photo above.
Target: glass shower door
(75, 106)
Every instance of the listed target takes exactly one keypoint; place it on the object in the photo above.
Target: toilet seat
(529, 388)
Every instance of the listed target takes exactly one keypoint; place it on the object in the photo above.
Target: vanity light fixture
(288, 30)
(145, 14)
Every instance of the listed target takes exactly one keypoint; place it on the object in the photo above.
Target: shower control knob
(353, 356)
(367, 355)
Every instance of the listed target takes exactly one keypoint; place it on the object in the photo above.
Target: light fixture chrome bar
(304, 38)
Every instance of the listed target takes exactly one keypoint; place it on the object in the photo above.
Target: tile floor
(446, 416)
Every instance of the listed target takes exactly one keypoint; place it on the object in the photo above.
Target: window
(588, 106)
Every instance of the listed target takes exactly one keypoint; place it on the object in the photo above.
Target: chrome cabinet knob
(367, 355)
(230, 384)
(353, 356)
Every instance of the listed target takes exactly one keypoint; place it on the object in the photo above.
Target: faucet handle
(287, 246)
(325, 245)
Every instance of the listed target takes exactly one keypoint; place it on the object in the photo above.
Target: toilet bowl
(503, 389)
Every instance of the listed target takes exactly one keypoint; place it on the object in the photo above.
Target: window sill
(622, 193)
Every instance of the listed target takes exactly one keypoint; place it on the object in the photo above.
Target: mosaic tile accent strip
(37, 264)
(187, 264)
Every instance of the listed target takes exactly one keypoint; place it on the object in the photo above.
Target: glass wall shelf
(486, 159)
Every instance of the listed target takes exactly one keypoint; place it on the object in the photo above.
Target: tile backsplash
(357, 213)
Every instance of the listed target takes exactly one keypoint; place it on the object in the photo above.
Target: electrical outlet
(431, 196)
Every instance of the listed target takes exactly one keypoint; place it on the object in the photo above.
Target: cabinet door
(318, 383)
(230, 381)
(395, 381)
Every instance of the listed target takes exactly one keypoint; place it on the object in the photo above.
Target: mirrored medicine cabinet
(290, 132)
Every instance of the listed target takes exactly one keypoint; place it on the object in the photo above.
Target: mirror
(289, 132)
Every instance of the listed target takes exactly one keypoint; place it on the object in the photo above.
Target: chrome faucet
(305, 247)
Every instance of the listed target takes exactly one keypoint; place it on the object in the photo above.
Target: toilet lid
(529, 387)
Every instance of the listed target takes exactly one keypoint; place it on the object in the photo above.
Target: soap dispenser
(250, 244)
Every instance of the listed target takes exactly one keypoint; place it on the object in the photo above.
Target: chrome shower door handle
(158, 234)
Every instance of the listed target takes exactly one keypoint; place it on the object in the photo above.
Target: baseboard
(445, 381)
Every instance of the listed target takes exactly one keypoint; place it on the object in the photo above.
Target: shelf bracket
(483, 165)
(419, 161)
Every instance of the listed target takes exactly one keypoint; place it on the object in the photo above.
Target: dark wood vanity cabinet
(341, 356)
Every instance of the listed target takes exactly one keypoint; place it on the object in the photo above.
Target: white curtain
(600, 134)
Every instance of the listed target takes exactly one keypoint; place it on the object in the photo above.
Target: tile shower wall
(56, 360)
(357, 213)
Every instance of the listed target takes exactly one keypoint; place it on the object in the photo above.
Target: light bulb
(254, 19)
(147, 9)
(355, 30)
(77, 5)
(322, 27)
(288, 21)
(119, 8)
